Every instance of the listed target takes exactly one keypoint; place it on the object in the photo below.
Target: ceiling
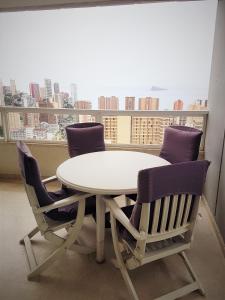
(21, 5)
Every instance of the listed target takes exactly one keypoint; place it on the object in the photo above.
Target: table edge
(96, 191)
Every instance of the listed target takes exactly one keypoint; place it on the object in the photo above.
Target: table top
(106, 172)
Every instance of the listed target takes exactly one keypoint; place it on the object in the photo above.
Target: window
(134, 57)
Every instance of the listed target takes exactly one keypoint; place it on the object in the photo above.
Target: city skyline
(120, 51)
(51, 91)
(44, 125)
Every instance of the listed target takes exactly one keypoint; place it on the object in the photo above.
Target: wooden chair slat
(173, 212)
(165, 214)
(180, 210)
(156, 216)
(187, 209)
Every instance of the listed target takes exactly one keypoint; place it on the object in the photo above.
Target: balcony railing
(125, 128)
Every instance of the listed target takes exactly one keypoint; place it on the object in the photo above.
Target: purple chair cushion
(31, 174)
(180, 144)
(85, 138)
(69, 212)
(156, 183)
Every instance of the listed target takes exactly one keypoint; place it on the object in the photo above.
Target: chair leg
(100, 228)
(188, 288)
(80, 246)
(35, 268)
(35, 271)
(192, 272)
(30, 235)
(63, 245)
(120, 261)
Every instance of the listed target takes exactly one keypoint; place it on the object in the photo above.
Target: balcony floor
(76, 276)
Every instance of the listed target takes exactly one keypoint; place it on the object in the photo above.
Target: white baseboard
(214, 224)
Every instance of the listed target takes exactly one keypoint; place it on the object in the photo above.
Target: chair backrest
(168, 199)
(30, 174)
(180, 144)
(85, 138)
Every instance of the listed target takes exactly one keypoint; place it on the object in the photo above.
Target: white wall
(49, 156)
(215, 184)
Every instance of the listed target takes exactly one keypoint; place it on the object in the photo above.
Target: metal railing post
(205, 118)
(5, 125)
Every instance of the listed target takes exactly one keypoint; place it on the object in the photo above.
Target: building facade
(178, 105)
(148, 103)
(48, 86)
(129, 103)
(110, 103)
(35, 91)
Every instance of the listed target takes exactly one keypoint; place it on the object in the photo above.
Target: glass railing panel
(150, 130)
(86, 118)
(38, 126)
(42, 126)
(120, 127)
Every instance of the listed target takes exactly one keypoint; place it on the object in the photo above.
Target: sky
(114, 50)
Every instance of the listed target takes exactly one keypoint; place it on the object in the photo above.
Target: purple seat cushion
(31, 174)
(180, 144)
(69, 212)
(85, 138)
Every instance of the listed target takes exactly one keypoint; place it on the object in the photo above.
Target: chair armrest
(49, 179)
(119, 215)
(66, 201)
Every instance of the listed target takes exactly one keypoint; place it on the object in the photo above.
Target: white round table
(106, 173)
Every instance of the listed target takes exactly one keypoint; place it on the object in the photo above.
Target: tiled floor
(78, 277)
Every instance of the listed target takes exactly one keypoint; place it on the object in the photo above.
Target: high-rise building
(6, 89)
(13, 86)
(28, 100)
(31, 120)
(43, 93)
(86, 118)
(199, 105)
(148, 103)
(203, 104)
(110, 129)
(178, 105)
(113, 124)
(47, 117)
(149, 130)
(197, 122)
(56, 88)
(129, 103)
(82, 104)
(73, 89)
(48, 86)
(35, 91)
(110, 103)
(58, 98)
(14, 121)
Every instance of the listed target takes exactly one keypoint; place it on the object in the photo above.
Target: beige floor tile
(76, 276)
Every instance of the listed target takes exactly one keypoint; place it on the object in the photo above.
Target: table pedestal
(100, 223)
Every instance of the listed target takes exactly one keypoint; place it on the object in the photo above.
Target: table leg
(100, 220)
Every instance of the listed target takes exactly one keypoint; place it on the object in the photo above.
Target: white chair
(53, 211)
(162, 220)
